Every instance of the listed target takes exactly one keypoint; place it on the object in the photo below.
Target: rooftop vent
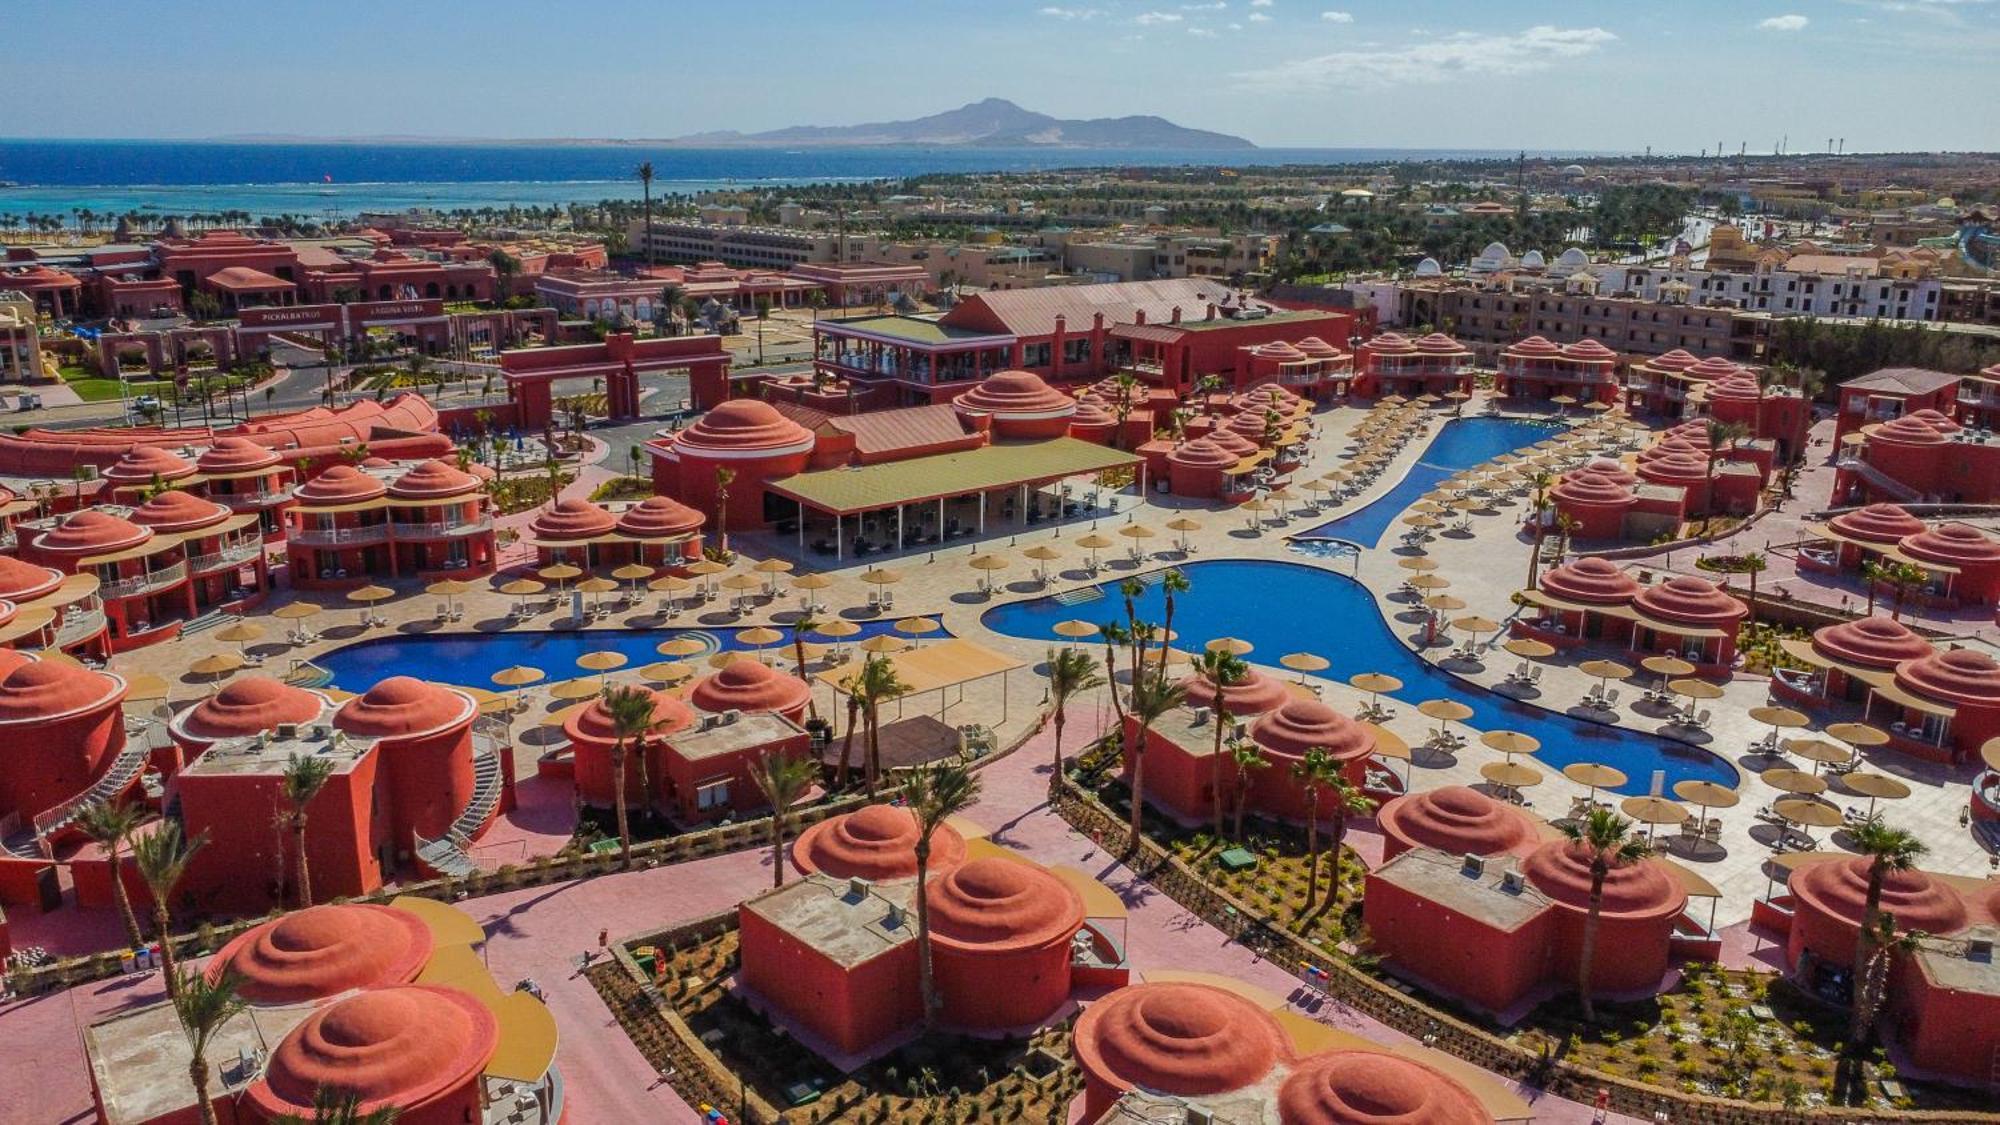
(1474, 865)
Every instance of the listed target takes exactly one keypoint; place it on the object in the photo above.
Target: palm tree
(646, 185)
(1114, 635)
(782, 780)
(204, 1006)
(110, 826)
(505, 266)
(876, 684)
(1348, 800)
(1566, 528)
(1720, 434)
(335, 1105)
(1072, 672)
(1223, 670)
(847, 740)
(1543, 480)
(1608, 841)
(724, 477)
(1888, 850)
(162, 857)
(1174, 581)
(933, 794)
(630, 709)
(1151, 700)
(1873, 573)
(1902, 578)
(1247, 756)
(305, 776)
(801, 625)
(1316, 772)
(1753, 564)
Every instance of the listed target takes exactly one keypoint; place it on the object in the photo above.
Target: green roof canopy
(909, 329)
(870, 487)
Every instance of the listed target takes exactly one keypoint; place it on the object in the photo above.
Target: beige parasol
(1530, 648)
(757, 636)
(296, 611)
(1234, 646)
(680, 646)
(243, 632)
(1604, 670)
(881, 576)
(667, 672)
(1511, 775)
(1875, 787)
(596, 585)
(601, 661)
(1418, 562)
(632, 572)
(1076, 630)
(1808, 812)
(221, 664)
(1787, 780)
(1374, 683)
(1430, 582)
(1652, 811)
(838, 627)
(882, 643)
(917, 626)
(519, 675)
(572, 690)
(1858, 734)
(1304, 662)
(813, 581)
(1595, 775)
(702, 568)
(558, 572)
(1819, 750)
(1667, 665)
(1510, 742)
(1444, 603)
(1989, 752)
(144, 687)
(1696, 689)
(1476, 624)
(1707, 794)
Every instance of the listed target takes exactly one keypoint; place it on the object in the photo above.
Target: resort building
(70, 717)
(1455, 820)
(41, 607)
(1891, 393)
(1943, 1000)
(1961, 563)
(1919, 456)
(353, 524)
(1498, 928)
(20, 340)
(1592, 600)
(389, 1002)
(1536, 370)
(1976, 408)
(1394, 364)
(658, 531)
(877, 843)
(838, 957)
(1181, 1052)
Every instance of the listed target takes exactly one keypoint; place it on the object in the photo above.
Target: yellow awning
(1099, 901)
(1699, 632)
(1896, 555)
(1895, 694)
(158, 544)
(933, 666)
(75, 588)
(1804, 651)
(528, 1036)
(1551, 601)
(28, 622)
(337, 509)
(448, 924)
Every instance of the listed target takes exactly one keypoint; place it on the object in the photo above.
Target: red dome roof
(1316, 348)
(1936, 420)
(432, 480)
(658, 517)
(404, 707)
(398, 1046)
(1374, 1088)
(1278, 350)
(743, 425)
(340, 484)
(22, 582)
(1391, 343)
(1300, 725)
(1233, 442)
(1961, 675)
(1560, 869)
(1437, 343)
(1457, 820)
(747, 684)
(323, 951)
(178, 511)
(1252, 424)
(1202, 452)
(996, 905)
(1092, 412)
(1675, 467)
(1737, 387)
(878, 842)
(92, 531)
(1677, 360)
(1954, 544)
(1907, 431)
(1690, 600)
(1534, 347)
(1255, 694)
(40, 691)
(1016, 394)
(1591, 579)
(235, 455)
(1877, 523)
(1589, 350)
(1876, 642)
(1587, 487)
(574, 518)
(1612, 469)
(592, 723)
(247, 705)
(146, 462)
(1713, 367)
(1838, 888)
(1177, 1038)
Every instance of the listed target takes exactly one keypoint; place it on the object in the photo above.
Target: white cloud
(1148, 19)
(1202, 32)
(1260, 3)
(1434, 60)
(1784, 23)
(1216, 6)
(1259, 17)
(1337, 17)
(1073, 13)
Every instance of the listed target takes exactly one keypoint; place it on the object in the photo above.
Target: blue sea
(334, 180)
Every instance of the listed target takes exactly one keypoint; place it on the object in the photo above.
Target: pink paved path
(538, 933)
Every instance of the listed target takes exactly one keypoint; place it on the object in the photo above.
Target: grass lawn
(945, 1078)
(623, 488)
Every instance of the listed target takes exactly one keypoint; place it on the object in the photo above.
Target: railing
(80, 624)
(146, 583)
(254, 498)
(232, 554)
(441, 528)
(338, 536)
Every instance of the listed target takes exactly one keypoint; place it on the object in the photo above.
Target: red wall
(246, 856)
(989, 991)
(1459, 955)
(744, 796)
(851, 1010)
(1945, 1030)
(67, 756)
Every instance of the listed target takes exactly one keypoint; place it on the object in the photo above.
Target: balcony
(147, 583)
(252, 499)
(231, 555)
(338, 536)
(80, 625)
(443, 529)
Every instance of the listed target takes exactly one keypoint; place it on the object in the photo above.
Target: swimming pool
(1283, 607)
(1461, 444)
(470, 659)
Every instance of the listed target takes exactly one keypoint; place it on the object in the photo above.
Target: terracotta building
(71, 718)
(351, 525)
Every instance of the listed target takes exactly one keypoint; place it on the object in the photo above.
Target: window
(714, 795)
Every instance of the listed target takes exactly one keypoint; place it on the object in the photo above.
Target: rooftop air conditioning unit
(322, 730)
(731, 716)
(288, 730)
(1201, 715)
(858, 887)
(1474, 865)
(1512, 883)
(1242, 731)
(1199, 1116)
(893, 919)
(87, 471)
(1979, 949)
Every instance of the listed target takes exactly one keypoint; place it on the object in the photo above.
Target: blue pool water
(1285, 607)
(471, 659)
(1463, 443)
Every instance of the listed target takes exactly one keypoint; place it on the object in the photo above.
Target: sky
(1607, 75)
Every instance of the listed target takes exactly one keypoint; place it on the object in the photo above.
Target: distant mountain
(993, 123)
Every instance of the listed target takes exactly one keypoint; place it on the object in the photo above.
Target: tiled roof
(1033, 312)
(1906, 380)
(886, 431)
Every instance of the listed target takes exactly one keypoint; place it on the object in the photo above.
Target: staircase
(1880, 481)
(447, 854)
(203, 623)
(306, 674)
(32, 843)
